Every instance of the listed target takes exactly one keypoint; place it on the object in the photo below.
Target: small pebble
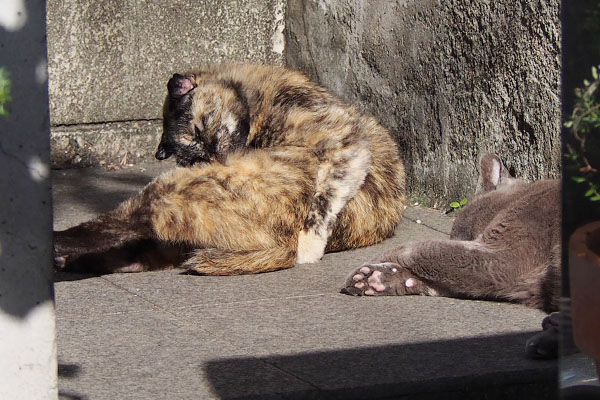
(419, 221)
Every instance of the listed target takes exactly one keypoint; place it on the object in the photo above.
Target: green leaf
(455, 204)
(578, 179)
(463, 202)
(590, 192)
(568, 124)
(586, 82)
(595, 73)
(595, 198)
(4, 90)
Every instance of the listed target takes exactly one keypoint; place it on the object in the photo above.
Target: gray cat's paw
(385, 279)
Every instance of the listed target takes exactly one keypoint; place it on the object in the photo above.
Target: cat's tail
(214, 261)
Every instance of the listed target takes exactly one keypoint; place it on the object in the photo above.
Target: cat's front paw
(311, 247)
(384, 279)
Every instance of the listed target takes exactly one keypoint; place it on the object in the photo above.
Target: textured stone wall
(451, 80)
(109, 63)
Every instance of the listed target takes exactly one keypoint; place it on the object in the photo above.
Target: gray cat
(504, 246)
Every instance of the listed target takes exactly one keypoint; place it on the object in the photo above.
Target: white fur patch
(311, 247)
(230, 122)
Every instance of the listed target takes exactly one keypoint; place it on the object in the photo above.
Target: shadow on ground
(92, 191)
(474, 368)
(60, 276)
(69, 371)
(84, 190)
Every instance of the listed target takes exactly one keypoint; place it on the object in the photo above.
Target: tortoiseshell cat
(276, 171)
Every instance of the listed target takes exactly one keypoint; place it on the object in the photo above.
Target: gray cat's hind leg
(384, 279)
(470, 269)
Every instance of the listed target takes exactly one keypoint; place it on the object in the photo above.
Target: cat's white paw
(311, 247)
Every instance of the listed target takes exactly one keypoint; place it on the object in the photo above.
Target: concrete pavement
(283, 335)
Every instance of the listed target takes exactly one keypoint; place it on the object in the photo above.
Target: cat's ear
(493, 173)
(180, 85)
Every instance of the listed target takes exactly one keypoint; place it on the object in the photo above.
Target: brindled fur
(276, 170)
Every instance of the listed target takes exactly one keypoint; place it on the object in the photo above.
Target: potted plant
(582, 210)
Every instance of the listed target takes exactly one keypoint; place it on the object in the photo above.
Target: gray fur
(504, 245)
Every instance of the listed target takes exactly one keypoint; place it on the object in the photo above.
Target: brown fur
(271, 160)
(505, 245)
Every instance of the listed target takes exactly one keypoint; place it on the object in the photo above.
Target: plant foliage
(457, 205)
(583, 146)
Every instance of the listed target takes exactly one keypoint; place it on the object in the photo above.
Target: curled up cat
(504, 246)
(274, 170)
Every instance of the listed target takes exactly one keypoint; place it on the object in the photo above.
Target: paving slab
(94, 296)
(155, 356)
(287, 334)
(327, 276)
(331, 322)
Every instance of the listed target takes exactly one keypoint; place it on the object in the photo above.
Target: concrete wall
(451, 79)
(28, 366)
(109, 63)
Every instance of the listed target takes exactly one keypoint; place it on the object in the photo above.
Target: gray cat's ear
(493, 173)
(179, 85)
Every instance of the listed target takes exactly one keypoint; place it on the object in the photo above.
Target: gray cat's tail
(239, 262)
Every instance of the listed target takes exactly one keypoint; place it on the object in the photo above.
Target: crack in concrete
(14, 157)
(124, 121)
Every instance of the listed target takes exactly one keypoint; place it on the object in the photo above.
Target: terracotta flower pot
(584, 273)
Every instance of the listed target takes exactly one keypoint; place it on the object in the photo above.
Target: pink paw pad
(375, 281)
